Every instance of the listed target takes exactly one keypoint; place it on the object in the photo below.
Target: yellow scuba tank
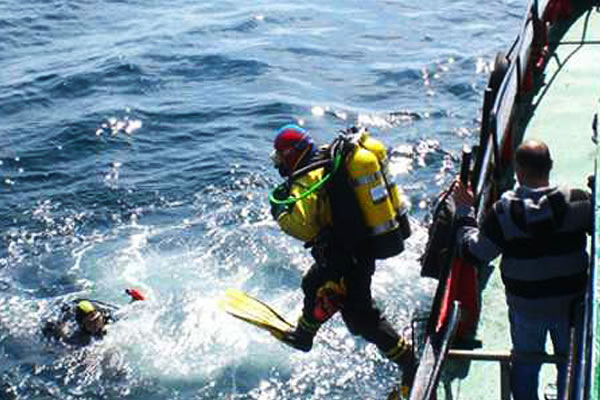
(399, 202)
(378, 198)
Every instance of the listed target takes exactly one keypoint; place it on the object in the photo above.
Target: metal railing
(497, 124)
(504, 358)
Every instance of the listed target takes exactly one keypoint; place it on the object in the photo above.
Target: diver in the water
(83, 320)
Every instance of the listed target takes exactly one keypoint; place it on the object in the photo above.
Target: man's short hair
(533, 157)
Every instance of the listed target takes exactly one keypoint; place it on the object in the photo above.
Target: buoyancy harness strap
(349, 230)
(274, 198)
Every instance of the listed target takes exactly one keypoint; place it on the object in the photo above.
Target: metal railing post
(505, 380)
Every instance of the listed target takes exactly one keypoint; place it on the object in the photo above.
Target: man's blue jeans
(529, 335)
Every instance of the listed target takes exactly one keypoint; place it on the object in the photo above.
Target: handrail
(496, 123)
(505, 358)
(500, 116)
(498, 120)
(438, 342)
(480, 355)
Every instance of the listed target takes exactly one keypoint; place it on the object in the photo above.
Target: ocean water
(134, 152)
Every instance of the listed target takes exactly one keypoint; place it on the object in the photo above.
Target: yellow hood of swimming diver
(86, 306)
(305, 218)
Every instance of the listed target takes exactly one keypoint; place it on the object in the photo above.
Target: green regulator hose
(314, 187)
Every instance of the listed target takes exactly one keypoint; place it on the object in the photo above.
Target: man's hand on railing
(463, 196)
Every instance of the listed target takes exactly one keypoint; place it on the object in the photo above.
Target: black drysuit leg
(358, 309)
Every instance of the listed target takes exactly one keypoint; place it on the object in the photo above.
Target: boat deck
(566, 104)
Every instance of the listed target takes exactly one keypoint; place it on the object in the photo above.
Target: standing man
(540, 230)
(317, 205)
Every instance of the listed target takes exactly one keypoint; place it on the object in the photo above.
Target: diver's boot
(302, 337)
(403, 355)
(408, 377)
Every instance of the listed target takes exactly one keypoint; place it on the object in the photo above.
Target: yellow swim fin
(249, 309)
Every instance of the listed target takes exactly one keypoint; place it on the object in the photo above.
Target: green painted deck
(566, 104)
(562, 117)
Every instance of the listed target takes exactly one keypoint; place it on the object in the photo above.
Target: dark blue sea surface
(134, 152)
